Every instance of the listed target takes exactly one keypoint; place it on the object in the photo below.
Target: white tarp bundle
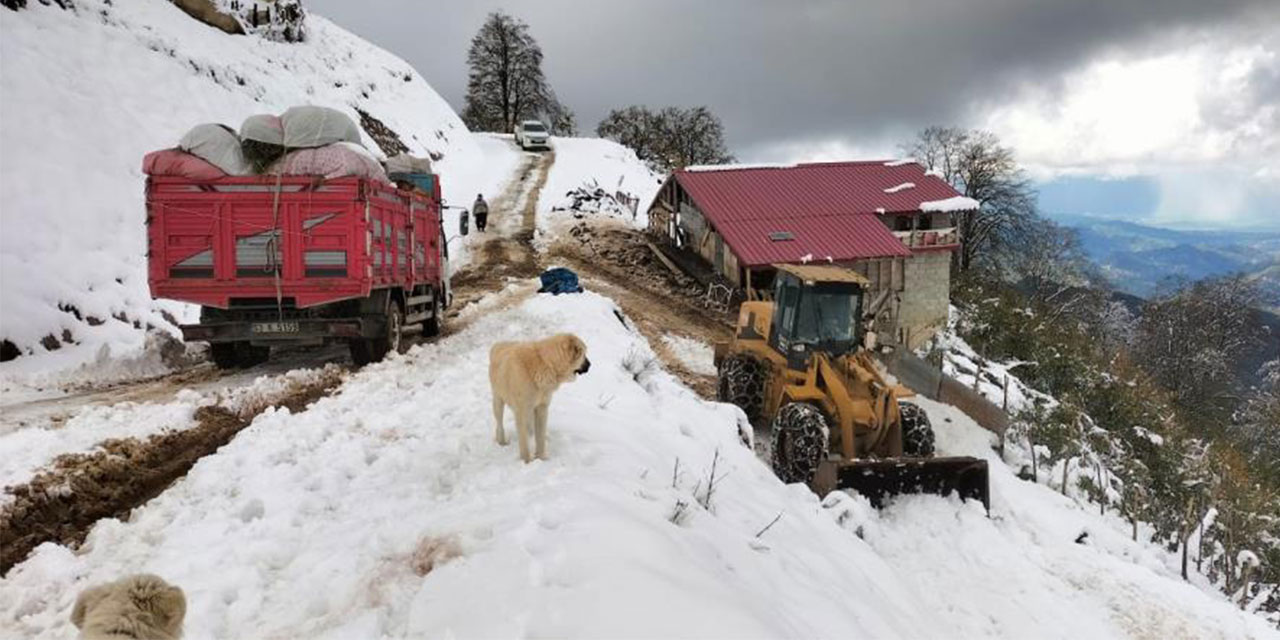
(218, 145)
(264, 127)
(405, 163)
(311, 126)
(331, 161)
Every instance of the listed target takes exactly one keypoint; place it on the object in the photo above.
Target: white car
(531, 134)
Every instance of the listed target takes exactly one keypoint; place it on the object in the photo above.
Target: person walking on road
(480, 209)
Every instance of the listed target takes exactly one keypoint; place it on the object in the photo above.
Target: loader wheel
(917, 433)
(800, 435)
(742, 383)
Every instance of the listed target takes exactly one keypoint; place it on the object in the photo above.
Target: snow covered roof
(825, 209)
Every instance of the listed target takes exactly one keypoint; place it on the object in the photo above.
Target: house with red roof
(888, 220)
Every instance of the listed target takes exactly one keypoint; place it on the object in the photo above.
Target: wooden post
(1006, 412)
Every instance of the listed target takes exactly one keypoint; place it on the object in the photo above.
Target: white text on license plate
(275, 327)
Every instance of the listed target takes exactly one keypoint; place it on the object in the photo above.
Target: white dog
(524, 375)
(142, 607)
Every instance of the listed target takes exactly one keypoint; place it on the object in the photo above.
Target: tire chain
(917, 433)
(808, 432)
(742, 383)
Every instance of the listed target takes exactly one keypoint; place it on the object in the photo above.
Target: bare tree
(977, 165)
(669, 139)
(505, 83)
(1189, 340)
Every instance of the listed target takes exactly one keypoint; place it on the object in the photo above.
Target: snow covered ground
(585, 165)
(24, 451)
(695, 355)
(88, 91)
(388, 511)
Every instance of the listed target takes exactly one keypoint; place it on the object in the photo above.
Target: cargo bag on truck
(331, 161)
(311, 126)
(262, 138)
(175, 162)
(218, 145)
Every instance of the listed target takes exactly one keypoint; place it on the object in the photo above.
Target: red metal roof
(830, 208)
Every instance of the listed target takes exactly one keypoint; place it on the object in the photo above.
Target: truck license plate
(275, 327)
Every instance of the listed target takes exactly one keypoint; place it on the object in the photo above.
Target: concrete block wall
(922, 308)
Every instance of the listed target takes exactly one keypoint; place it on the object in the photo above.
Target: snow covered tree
(669, 139)
(505, 82)
(980, 167)
(1258, 427)
(1190, 339)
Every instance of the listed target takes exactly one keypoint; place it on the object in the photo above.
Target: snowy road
(388, 511)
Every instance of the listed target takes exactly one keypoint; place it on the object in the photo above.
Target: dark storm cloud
(786, 71)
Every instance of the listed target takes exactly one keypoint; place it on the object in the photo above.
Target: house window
(926, 222)
(902, 223)
(781, 236)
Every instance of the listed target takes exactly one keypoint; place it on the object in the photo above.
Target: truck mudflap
(281, 331)
(882, 479)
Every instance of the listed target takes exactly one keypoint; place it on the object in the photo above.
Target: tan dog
(524, 375)
(143, 607)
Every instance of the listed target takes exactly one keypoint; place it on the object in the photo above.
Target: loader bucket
(879, 480)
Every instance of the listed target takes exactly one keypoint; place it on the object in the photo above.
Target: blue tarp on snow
(559, 280)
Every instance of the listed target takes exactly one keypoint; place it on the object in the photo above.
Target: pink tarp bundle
(331, 161)
(173, 162)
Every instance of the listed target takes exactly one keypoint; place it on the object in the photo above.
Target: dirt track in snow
(617, 263)
(507, 252)
(63, 502)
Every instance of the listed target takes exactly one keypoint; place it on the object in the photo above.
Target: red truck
(298, 260)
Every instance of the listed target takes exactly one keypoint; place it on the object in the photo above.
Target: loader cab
(815, 311)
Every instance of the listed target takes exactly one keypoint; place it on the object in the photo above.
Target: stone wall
(922, 309)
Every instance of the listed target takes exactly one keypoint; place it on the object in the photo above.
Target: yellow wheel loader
(802, 363)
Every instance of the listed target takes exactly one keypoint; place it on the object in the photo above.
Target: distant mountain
(1137, 258)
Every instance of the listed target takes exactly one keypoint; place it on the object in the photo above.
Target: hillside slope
(393, 495)
(88, 91)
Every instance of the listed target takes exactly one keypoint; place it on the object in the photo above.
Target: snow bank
(1020, 573)
(901, 187)
(597, 172)
(388, 511)
(87, 92)
(949, 205)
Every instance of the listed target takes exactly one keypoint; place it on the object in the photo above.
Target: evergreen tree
(505, 82)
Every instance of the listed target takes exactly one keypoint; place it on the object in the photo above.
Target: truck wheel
(917, 433)
(237, 355)
(224, 355)
(252, 356)
(741, 382)
(370, 350)
(395, 339)
(800, 436)
(362, 351)
(431, 328)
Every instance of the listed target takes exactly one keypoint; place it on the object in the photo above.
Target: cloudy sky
(1164, 111)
